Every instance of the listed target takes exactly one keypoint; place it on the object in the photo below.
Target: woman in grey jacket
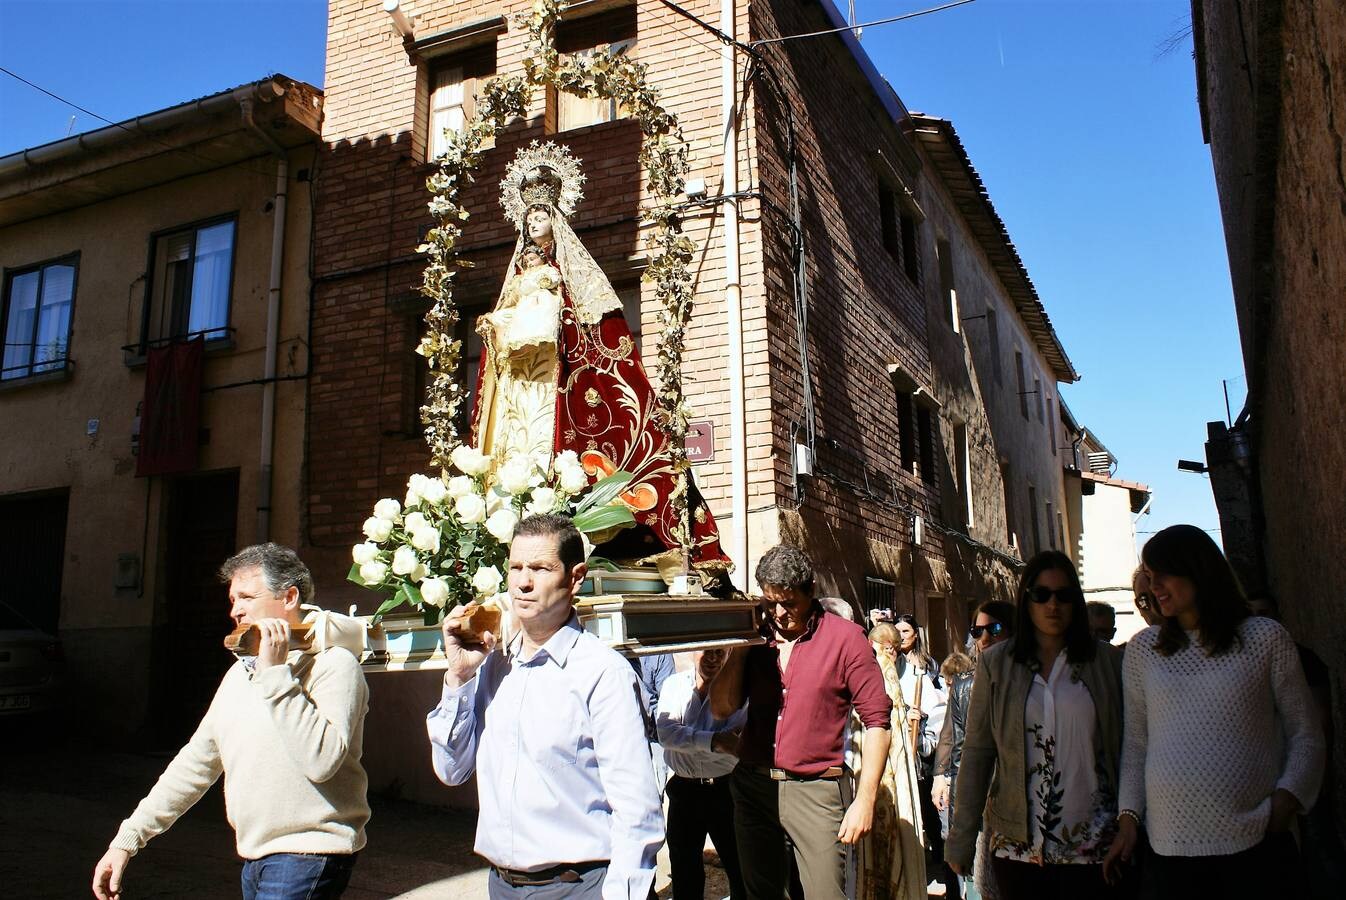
(1043, 737)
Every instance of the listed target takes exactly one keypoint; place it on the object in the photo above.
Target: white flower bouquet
(447, 542)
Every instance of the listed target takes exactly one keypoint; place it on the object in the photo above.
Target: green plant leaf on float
(388, 606)
(599, 518)
(604, 491)
(601, 562)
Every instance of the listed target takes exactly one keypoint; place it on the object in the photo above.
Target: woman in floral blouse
(1040, 758)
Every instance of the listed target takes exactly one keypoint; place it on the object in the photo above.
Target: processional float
(565, 418)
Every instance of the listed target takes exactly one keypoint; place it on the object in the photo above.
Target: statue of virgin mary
(561, 372)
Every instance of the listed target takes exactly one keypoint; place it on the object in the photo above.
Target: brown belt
(829, 774)
(567, 873)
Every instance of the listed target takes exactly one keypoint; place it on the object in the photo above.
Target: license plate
(16, 701)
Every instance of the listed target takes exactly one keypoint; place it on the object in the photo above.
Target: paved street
(60, 807)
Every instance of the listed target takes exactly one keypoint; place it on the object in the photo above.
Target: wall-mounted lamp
(400, 21)
(1190, 465)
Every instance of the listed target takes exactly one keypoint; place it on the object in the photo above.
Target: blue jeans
(297, 876)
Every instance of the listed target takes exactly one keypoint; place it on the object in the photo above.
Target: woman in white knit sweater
(1221, 749)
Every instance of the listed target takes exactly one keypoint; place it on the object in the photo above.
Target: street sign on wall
(700, 441)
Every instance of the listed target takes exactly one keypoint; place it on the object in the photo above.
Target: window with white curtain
(37, 306)
(448, 110)
(578, 112)
(192, 282)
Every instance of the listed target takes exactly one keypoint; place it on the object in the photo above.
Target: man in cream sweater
(285, 730)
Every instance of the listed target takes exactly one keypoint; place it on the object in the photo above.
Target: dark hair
(1000, 610)
(569, 544)
(927, 661)
(1103, 609)
(786, 567)
(281, 569)
(1188, 552)
(1080, 643)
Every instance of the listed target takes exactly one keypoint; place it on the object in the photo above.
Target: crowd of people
(1038, 761)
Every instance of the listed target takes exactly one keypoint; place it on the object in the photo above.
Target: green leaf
(604, 491)
(602, 517)
(353, 576)
(388, 606)
(413, 593)
(601, 562)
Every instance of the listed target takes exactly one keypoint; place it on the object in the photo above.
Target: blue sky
(1086, 136)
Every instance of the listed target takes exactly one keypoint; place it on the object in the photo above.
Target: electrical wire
(857, 27)
(132, 131)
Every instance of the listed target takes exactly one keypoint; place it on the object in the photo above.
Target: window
(1037, 398)
(1006, 480)
(880, 593)
(1023, 388)
(1051, 424)
(993, 342)
(614, 32)
(452, 83)
(1051, 532)
(37, 305)
(925, 427)
(911, 260)
(888, 222)
(1033, 518)
(32, 553)
(963, 467)
(191, 283)
(906, 433)
(946, 287)
(629, 294)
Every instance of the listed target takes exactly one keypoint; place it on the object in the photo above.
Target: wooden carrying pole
(915, 726)
(246, 640)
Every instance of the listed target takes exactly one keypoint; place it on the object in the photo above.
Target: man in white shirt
(701, 751)
(553, 726)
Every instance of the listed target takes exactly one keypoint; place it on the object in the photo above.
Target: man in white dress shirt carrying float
(553, 726)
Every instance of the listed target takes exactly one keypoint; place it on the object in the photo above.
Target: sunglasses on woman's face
(1064, 596)
(994, 630)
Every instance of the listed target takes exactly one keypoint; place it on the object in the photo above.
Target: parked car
(32, 672)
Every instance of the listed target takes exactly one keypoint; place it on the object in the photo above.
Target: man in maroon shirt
(800, 688)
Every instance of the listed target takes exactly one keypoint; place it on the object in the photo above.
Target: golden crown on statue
(543, 173)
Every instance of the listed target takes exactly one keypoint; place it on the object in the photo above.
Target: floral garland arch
(663, 155)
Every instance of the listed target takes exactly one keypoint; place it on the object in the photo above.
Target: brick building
(894, 419)
(1270, 78)
(187, 222)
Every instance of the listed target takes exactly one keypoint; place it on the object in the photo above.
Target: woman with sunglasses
(1222, 748)
(1039, 762)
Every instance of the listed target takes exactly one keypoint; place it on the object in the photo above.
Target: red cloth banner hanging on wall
(170, 418)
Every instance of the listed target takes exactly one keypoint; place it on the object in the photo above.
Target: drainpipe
(272, 325)
(733, 301)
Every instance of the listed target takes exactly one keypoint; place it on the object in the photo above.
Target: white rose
(515, 476)
(501, 524)
(377, 529)
(543, 501)
(470, 509)
(419, 573)
(373, 572)
(435, 592)
(566, 459)
(387, 509)
(486, 580)
(364, 553)
(573, 481)
(433, 491)
(415, 522)
(469, 460)
(461, 486)
(499, 601)
(411, 499)
(426, 539)
(404, 560)
(588, 545)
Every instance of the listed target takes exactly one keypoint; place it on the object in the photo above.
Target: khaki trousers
(771, 818)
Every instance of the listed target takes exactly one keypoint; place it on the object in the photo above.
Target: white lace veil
(589, 288)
